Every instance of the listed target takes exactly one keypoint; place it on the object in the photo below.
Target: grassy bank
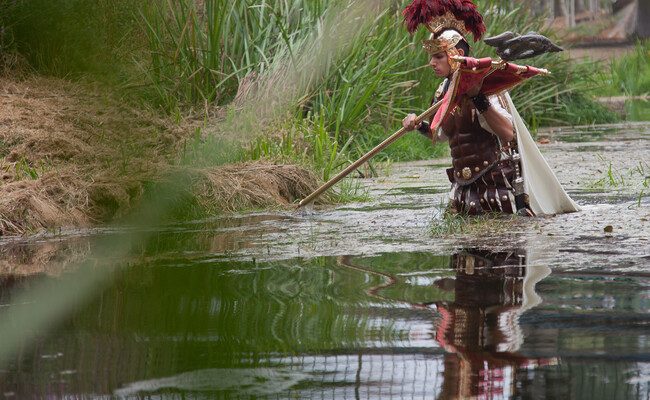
(309, 83)
(629, 76)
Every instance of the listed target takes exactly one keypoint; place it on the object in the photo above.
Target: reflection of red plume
(427, 11)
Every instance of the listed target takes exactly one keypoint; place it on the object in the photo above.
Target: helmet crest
(438, 15)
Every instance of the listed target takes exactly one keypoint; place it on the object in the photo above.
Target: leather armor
(474, 150)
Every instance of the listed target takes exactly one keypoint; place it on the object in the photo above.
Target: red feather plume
(424, 11)
(418, 12)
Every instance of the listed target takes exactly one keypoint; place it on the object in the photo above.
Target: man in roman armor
(483, 131)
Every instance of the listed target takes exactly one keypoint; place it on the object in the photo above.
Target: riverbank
(601, 167)
(74, 156)
(79, 156)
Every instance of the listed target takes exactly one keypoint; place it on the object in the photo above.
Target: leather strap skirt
(492, 192)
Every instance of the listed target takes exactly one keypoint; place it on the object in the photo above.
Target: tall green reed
(183, 53)
(630, 74)
(71, 38)
(306, 141)
(201, 50)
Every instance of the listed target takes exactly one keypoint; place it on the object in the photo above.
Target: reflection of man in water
(480, 329)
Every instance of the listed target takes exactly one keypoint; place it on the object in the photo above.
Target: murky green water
(407, 325)
(359, 301)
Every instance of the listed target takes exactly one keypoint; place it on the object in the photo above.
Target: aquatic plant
(446, 223)
(615, 177)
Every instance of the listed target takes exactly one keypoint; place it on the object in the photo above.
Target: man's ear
(461, 52)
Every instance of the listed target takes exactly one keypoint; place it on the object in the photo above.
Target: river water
(361, 300)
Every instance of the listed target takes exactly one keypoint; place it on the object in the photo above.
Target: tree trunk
(579, 6)
(545, 8)
(551, 9)
(571, 16)
(560, 8)
(643, 19)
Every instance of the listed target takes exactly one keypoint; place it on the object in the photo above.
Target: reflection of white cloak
(544, 190)
(509, 320)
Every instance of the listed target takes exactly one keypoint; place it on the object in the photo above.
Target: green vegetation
(74, 38)
(635, 178)
(25, 171)
(310, 82)
(630, 74)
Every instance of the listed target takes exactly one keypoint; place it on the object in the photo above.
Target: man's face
(440, 64)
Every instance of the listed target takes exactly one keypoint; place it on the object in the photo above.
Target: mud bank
(73, 155)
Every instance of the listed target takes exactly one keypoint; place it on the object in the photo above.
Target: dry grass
(73, 156)
(252, 185)
(56, 199)
(57, 121)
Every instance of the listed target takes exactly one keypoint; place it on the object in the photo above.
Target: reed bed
(375, 80)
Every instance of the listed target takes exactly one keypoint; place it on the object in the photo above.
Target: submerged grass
(447, 223)
(635, 177)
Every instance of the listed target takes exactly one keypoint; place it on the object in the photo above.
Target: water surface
(356, 301)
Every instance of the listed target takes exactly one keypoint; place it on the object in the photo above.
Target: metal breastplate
(474, 150)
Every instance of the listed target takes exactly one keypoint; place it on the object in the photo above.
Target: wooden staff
(367, 156)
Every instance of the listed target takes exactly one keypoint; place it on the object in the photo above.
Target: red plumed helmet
(428, 11)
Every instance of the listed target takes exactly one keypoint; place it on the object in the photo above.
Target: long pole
(367, 156)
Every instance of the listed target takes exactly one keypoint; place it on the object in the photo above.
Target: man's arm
(425, 129)
(501, 126)
(497, 119)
